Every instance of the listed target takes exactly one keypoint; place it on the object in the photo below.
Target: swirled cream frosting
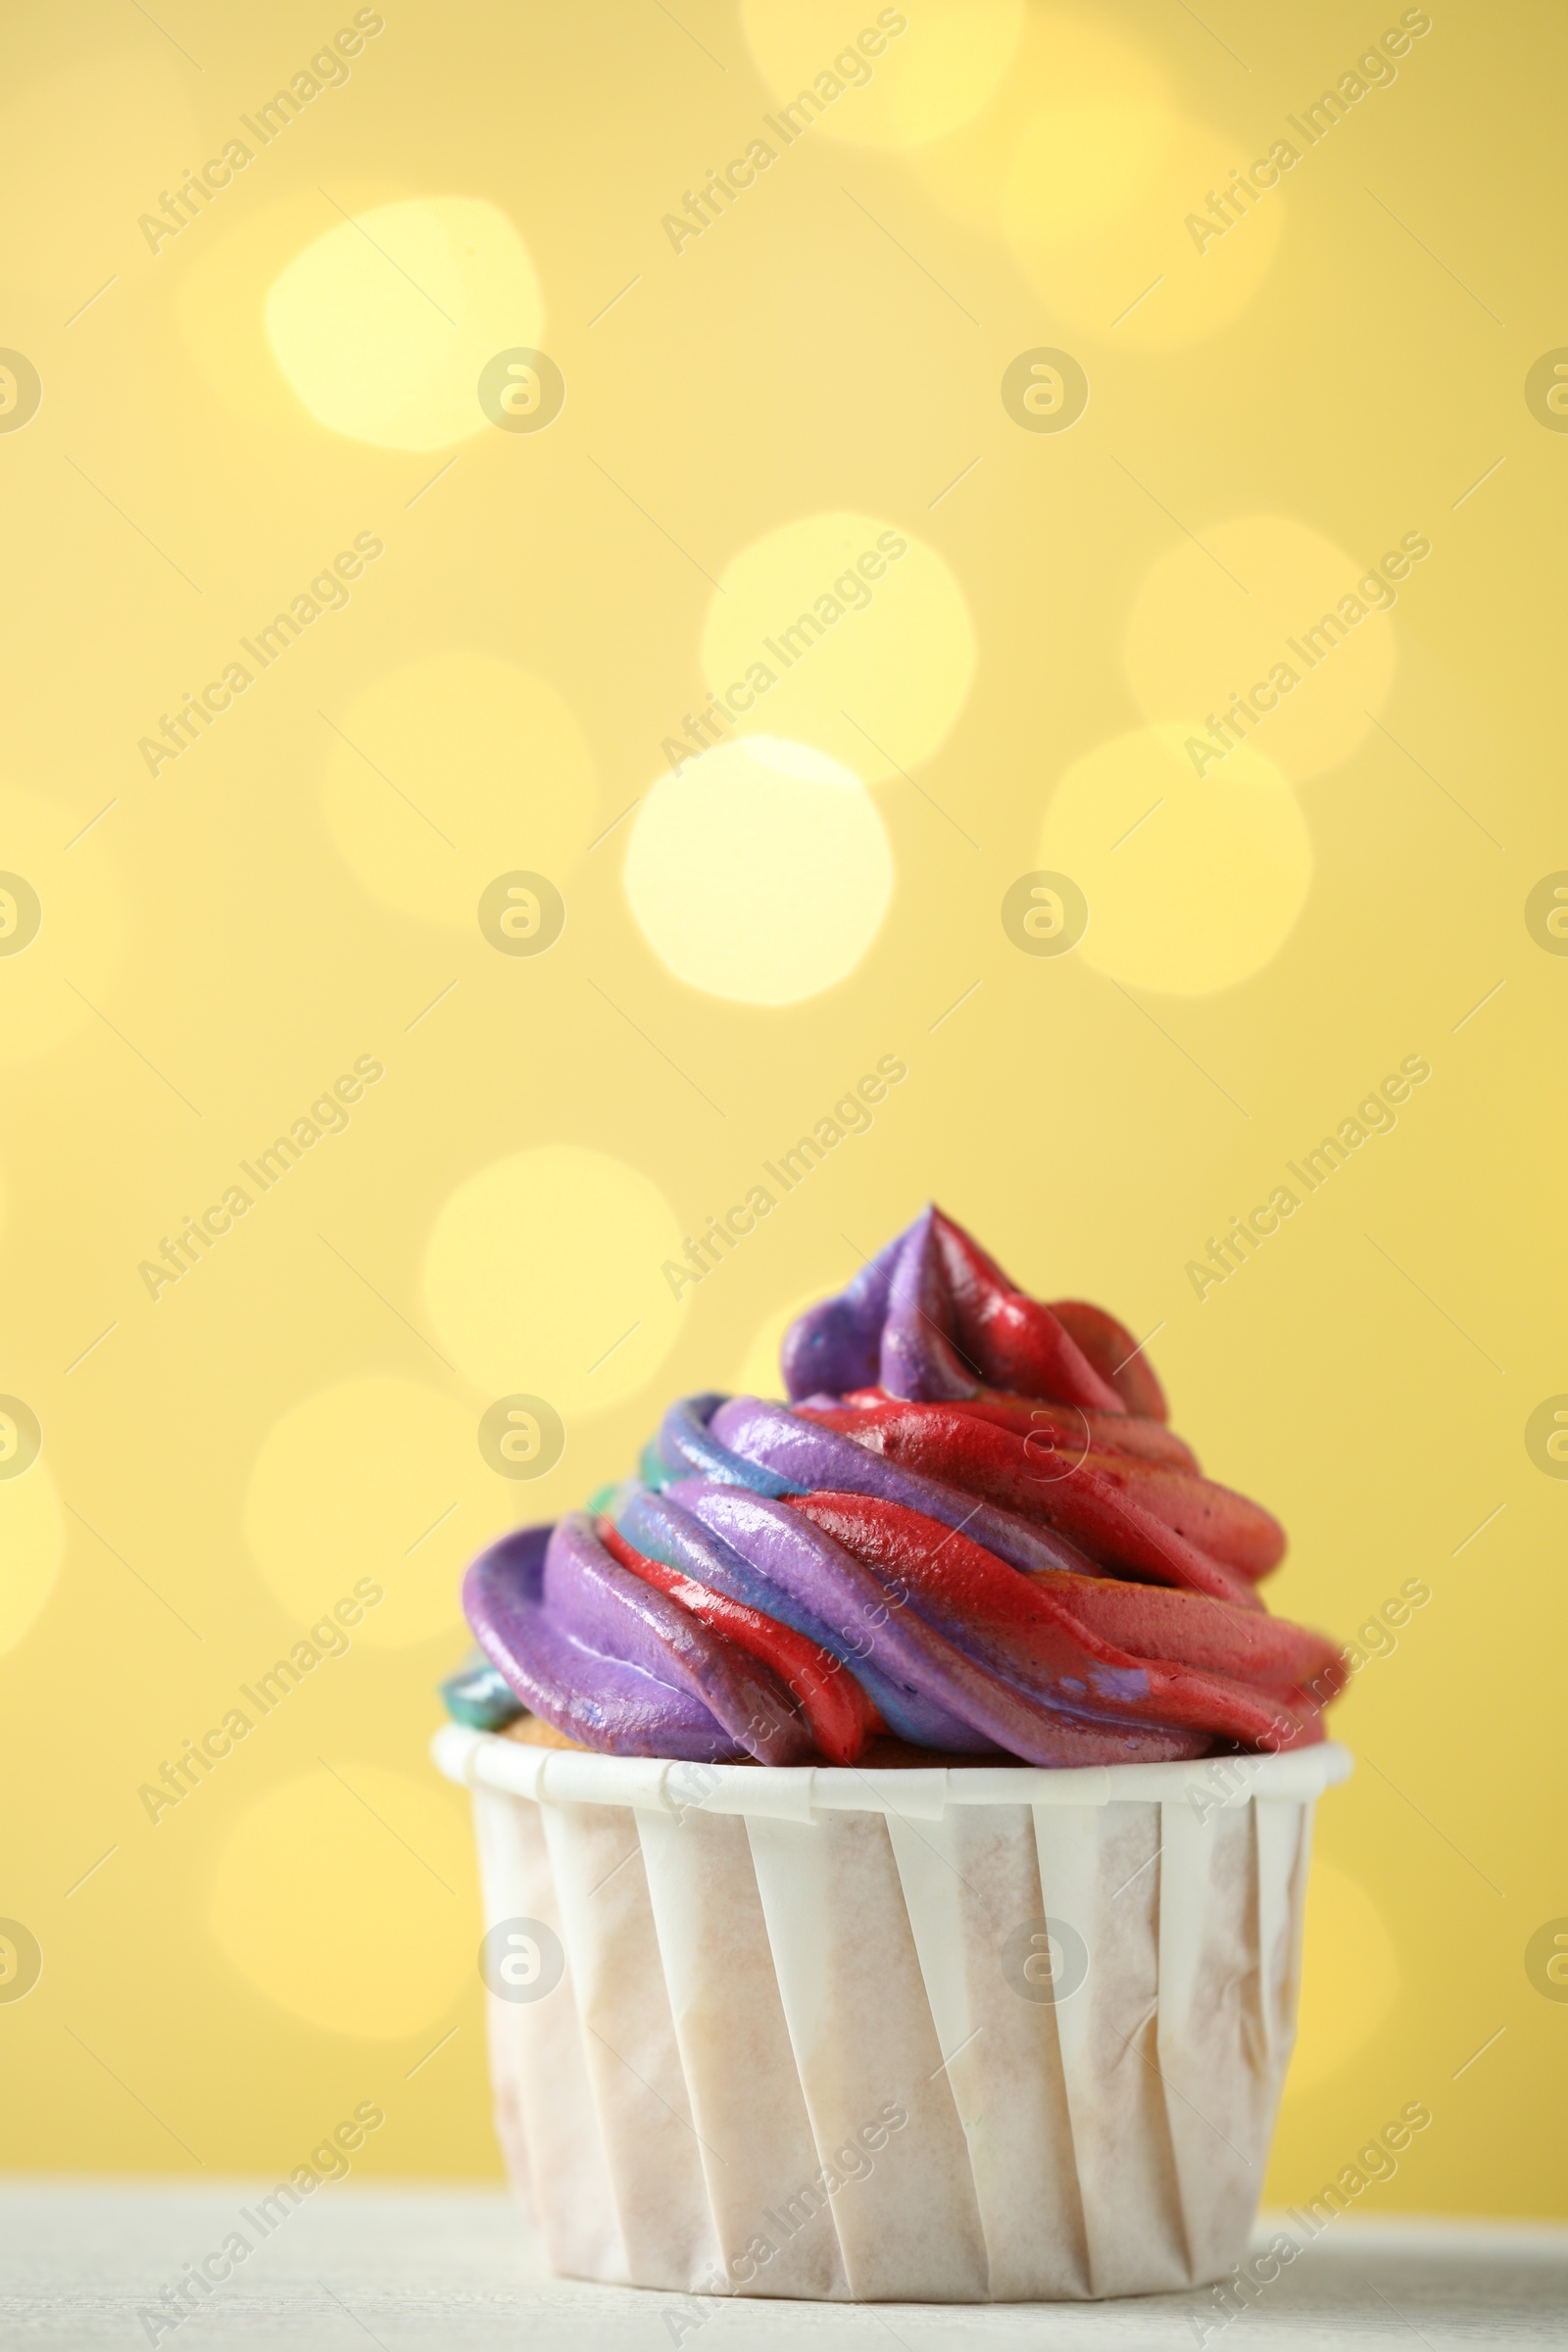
(970, 1528)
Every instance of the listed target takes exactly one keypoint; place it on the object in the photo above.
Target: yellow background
(300, 1410)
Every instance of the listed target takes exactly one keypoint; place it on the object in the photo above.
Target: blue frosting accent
(478, 1695)
(685, 1440)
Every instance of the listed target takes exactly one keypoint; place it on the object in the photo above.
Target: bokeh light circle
(1100, 196)
(1193, 882)
(1064, 59)
(894, 88)
(543, 1277)
(761, 873)
(844, 632)
(374, 1479)
(347, 1897)
(451, 770)
(384, 325)
(1264, 594)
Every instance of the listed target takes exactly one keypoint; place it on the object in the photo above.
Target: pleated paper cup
(949, 2036)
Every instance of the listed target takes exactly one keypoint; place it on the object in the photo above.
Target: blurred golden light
(1099, 199)
(1266, 601)
(383, 324)
(761, 873)
(360, 1481)
(1193, 882)
(347, 1898)
(898, 79)
(1063, 59)
(543, 1277)
(842, 631)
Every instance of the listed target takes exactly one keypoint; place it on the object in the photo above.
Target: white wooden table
(444, 2270)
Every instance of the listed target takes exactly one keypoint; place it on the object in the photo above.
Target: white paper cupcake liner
(968, 2036)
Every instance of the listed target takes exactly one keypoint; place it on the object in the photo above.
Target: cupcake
(894, 1810)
